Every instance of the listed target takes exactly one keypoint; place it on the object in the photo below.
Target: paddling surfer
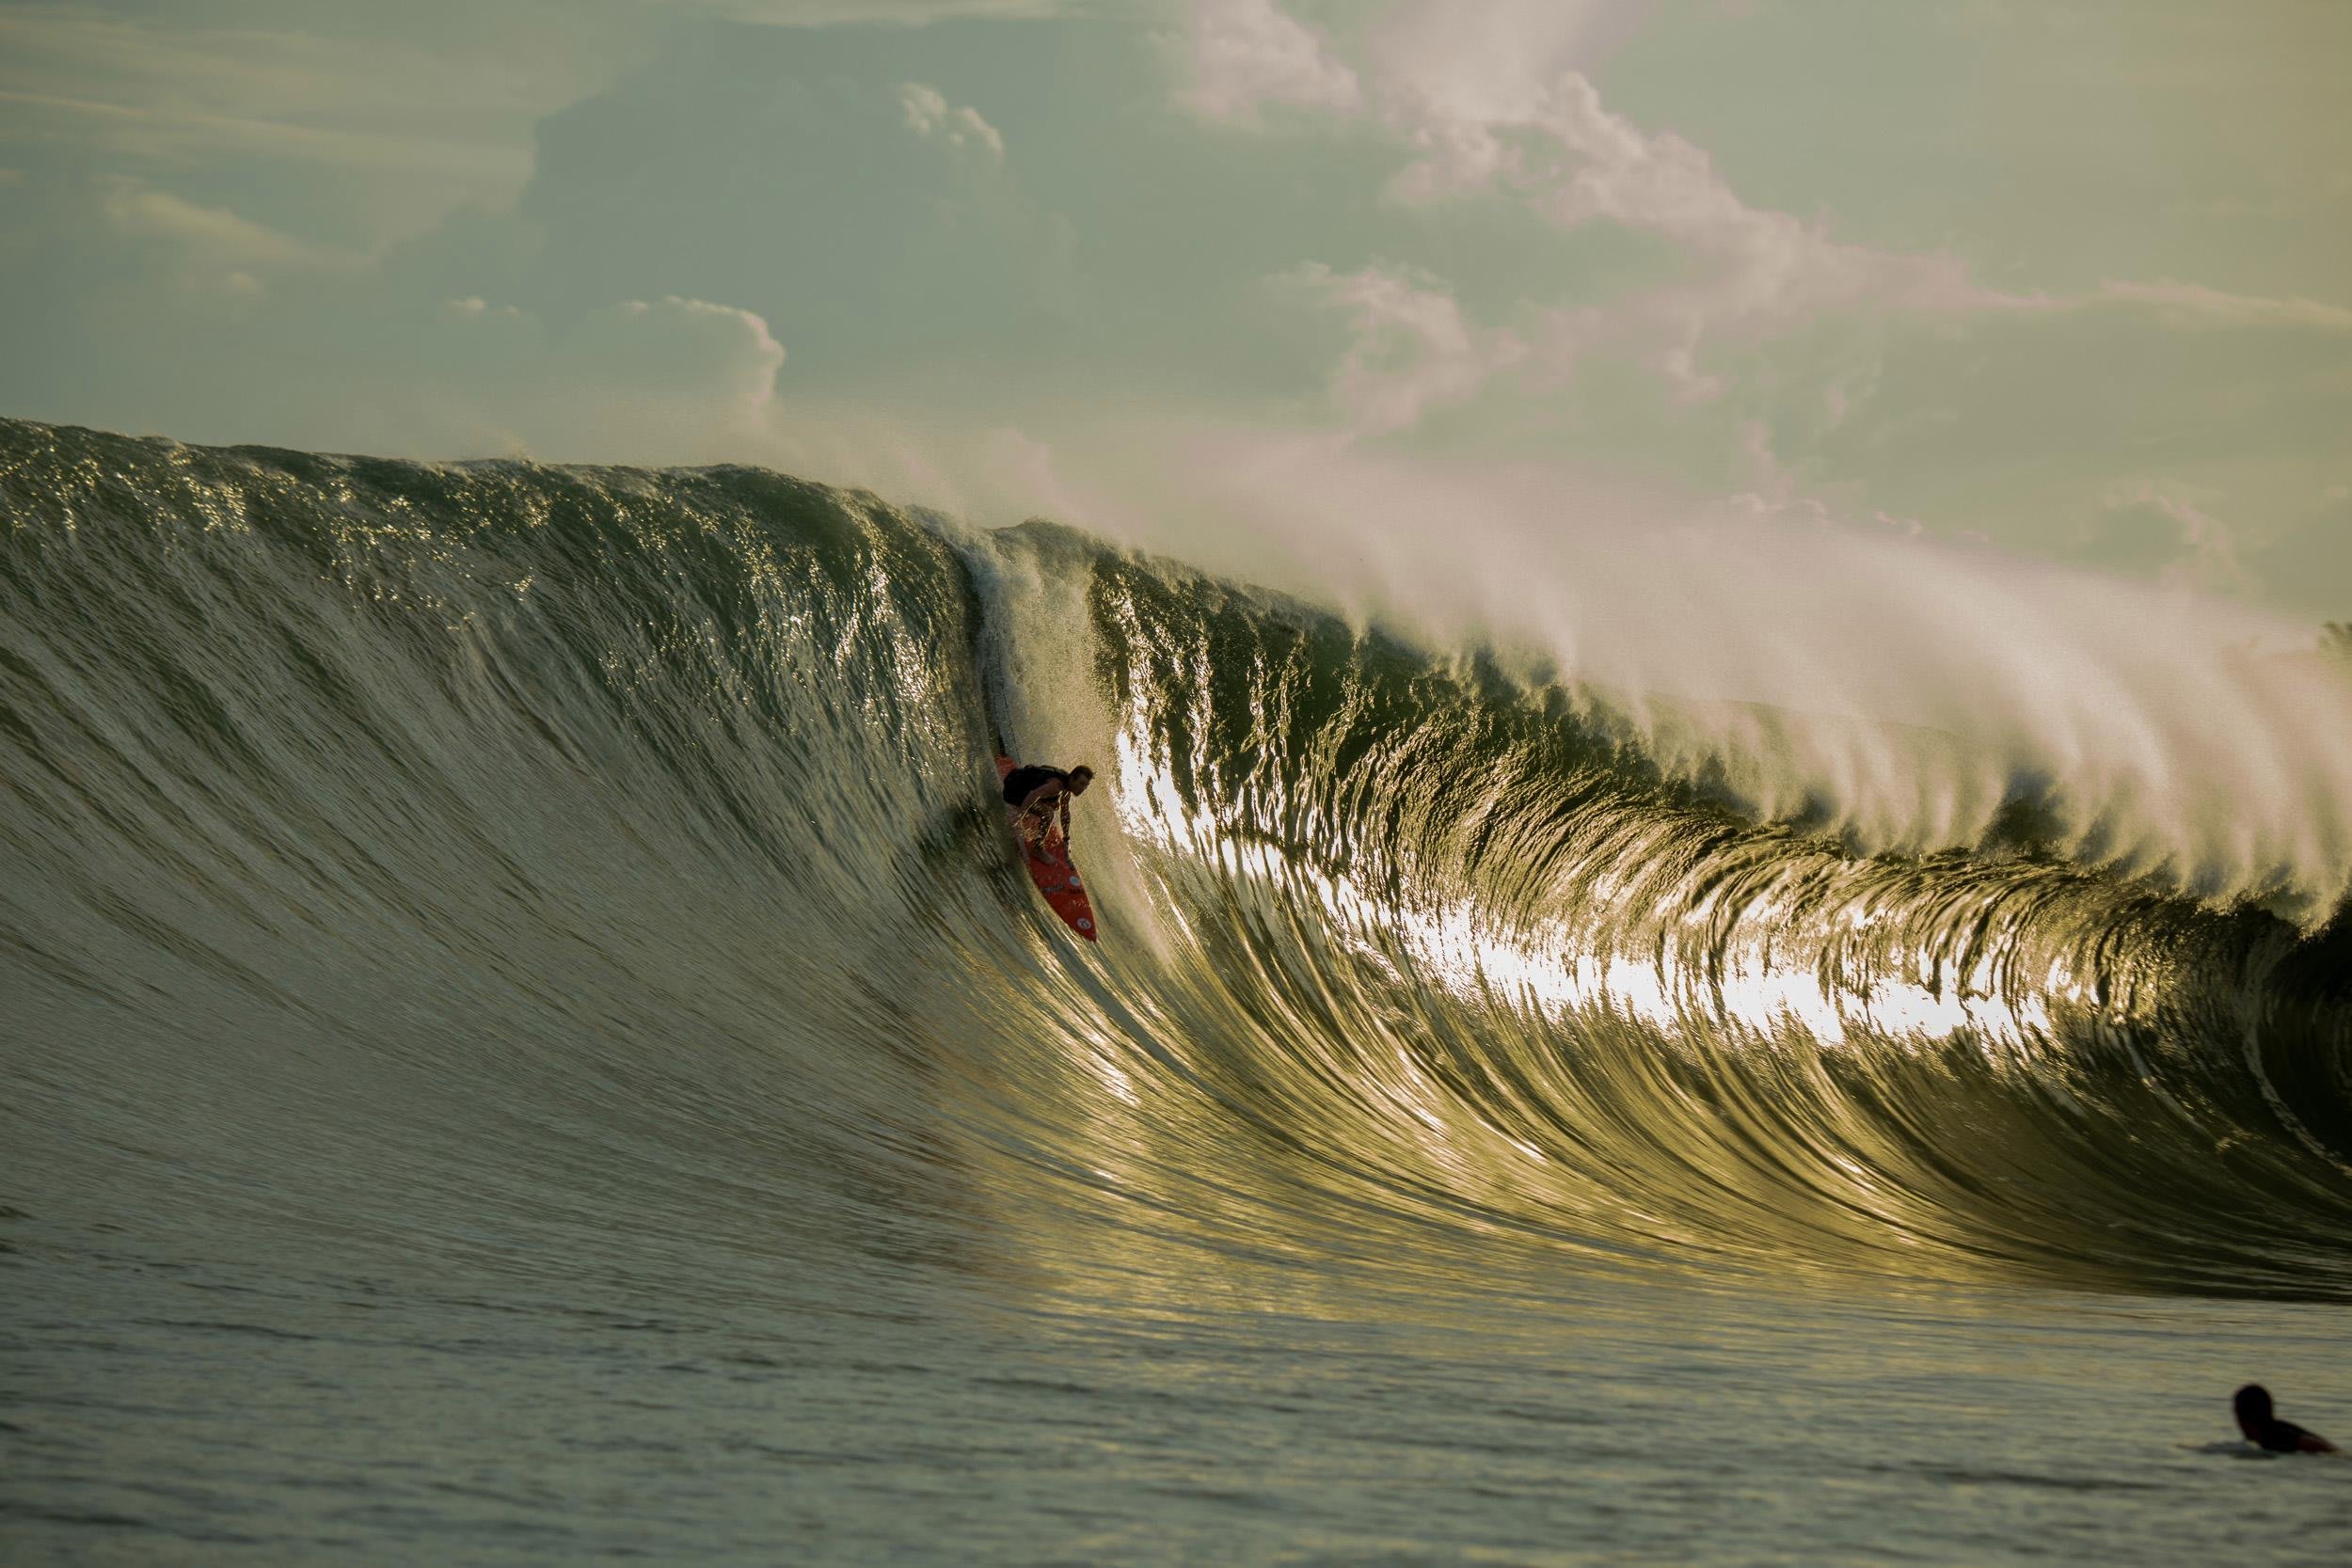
(2252, 1407)
(1037, 793)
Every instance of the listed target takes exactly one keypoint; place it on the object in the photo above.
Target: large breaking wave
(324, 773)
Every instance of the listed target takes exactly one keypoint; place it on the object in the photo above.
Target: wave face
(353, 803)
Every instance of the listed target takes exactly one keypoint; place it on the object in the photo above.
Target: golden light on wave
(1743, 991)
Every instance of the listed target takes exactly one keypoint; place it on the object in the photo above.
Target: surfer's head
(2252, 1404)
(1080, 777)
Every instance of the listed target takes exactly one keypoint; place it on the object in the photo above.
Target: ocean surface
(523, 1040)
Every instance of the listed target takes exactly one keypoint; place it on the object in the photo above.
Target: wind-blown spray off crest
(1911, 695)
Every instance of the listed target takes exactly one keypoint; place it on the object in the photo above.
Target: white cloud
(667, 380)
(139, 211)
(904, 13)
(419, 128)
(474, 308)
(2159, 530)
(1241, 55)
(1757, 271)
(2195, 304)
(1481, 96)
(209, 247)
(1413, 350)
(928, 115)
(1481, 93)
(1488, 101)
(1491, 61)
(718, 352)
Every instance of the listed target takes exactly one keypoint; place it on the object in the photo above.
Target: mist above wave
(1908, 694)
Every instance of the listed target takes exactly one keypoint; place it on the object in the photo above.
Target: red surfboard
(1050, 868)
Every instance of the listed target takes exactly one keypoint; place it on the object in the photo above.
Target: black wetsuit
(2254, 1418)
(2285, 1436)
(1021, 779)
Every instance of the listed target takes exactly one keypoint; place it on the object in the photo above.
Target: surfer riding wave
(1039, 795)
(1037, 799)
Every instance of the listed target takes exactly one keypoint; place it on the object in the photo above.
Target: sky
(2065, 280)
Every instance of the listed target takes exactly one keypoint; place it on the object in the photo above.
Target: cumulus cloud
(1753, 271)
(1412, 349)
(928, 115)
(674, 378)
(717, 353)
(139, 211)
(2159, 530)
(1474, 92)
(1493, 61)
(209, 248)
(1239, 56)
(1482, 101)
(826, 13)
(1494, 102)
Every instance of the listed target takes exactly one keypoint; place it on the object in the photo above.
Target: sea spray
(1913, 695)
